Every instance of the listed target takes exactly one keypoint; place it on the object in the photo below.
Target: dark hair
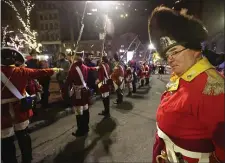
(116, 57)
(62, 54)
(105, 59)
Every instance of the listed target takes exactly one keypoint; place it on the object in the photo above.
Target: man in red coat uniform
(129, 79)
(147, 73)
(118, 80)
(141, 75)
(190, 117)
(103, 85)
(13, 119)
(77, 78)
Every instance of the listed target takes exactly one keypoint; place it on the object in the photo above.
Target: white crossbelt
(171, 148)
(106, 73)
(11, 87)
(81, 76)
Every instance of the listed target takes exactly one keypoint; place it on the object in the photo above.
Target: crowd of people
(190, 116)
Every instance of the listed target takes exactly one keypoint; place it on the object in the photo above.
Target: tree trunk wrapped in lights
(30, 36)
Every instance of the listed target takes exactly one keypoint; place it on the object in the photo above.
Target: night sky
(135, 22)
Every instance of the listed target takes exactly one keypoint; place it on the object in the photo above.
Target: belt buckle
(163, 157)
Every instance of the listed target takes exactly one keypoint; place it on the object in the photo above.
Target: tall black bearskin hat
(116, 57)
(9, 56)
(80, 54)
(168, 28)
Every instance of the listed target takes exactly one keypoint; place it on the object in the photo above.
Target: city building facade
(48, 24)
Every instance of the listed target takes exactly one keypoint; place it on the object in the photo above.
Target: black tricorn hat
(10, 56)
(80, 54)
(168, 28)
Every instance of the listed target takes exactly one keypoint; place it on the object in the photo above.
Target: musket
(81, 31)
(129, 47)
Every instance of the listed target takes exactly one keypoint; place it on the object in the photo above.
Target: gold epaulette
(215, 83)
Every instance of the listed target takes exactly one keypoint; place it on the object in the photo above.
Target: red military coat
(19, 79)
(191, 112)
(141, 73)
(102, 78)
(73, 79)
(118, 74)
(128, 76)
(147, 71)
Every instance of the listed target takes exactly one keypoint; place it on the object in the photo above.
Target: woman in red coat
(13, 119)
(103, 85)
(190, 117)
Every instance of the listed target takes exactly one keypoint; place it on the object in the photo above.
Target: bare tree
(30, 36)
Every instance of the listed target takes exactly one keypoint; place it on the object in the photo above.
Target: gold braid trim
(215, 83)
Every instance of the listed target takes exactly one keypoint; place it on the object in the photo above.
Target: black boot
(8, 150)
(119, 99)
(107, 107)
(80, 126)
(104, 104)
(24, 142)
(129, 94)
(134, 87)
(142, 82)
(86, 118)
(146, 81)
(117, 94)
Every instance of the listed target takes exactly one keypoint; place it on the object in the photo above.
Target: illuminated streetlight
(94, 9)
(126, 15)
(89, 13)
(122, 16)
(122, 50)
(135, 9)
(151, 46)
(68, 50)
(106, 4)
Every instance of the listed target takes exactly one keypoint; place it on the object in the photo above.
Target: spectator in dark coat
(92, 76)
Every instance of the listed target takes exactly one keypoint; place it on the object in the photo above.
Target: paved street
(127, 137)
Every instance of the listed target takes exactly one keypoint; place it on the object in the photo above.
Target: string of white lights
(30, 36)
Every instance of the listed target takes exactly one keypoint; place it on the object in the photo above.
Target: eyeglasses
(175, 53)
